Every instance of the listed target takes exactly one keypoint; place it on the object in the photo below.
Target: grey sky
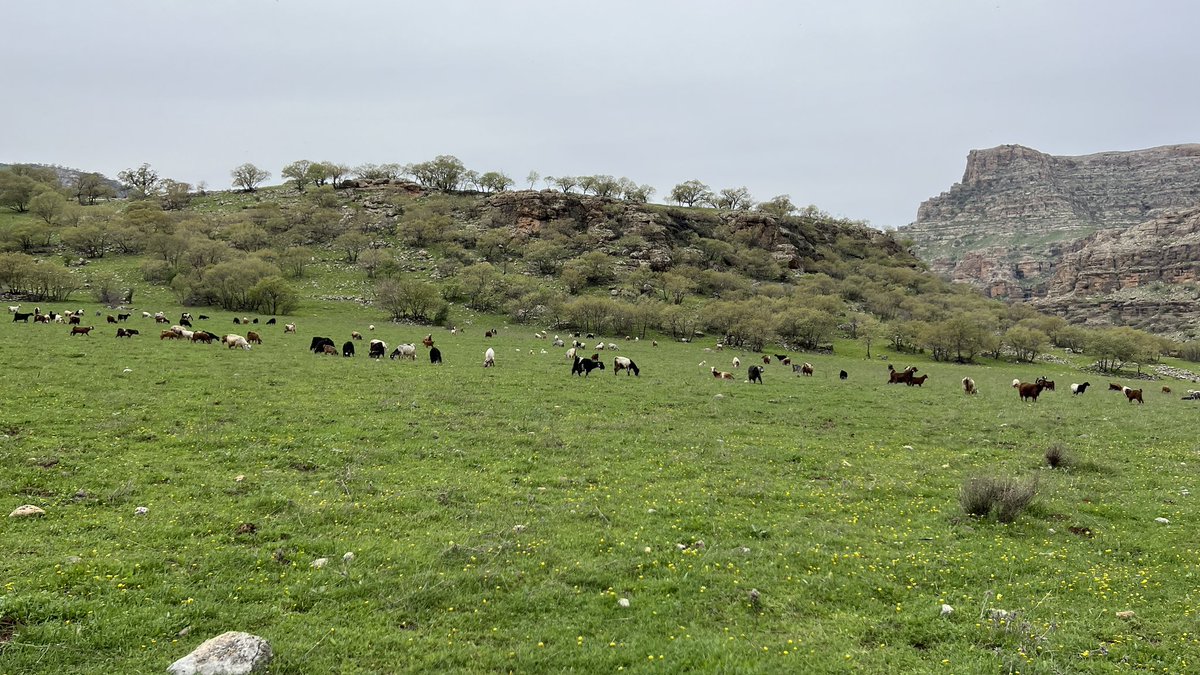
(862, 108)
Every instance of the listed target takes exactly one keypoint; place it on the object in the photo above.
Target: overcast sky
(862, 108)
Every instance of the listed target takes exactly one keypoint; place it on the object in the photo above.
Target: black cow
(756, 374)
(348, 349)
(318, 344)
(435, 355)
(585, 366)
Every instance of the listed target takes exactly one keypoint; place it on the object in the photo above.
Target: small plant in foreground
(1058, 457)
(1005, 498)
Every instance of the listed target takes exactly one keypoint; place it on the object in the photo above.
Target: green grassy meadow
(497, 516)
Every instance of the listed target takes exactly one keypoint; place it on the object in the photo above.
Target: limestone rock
(27, 511)
(231, 653)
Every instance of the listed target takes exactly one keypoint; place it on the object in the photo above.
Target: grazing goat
(488, 334)
(722, 375)
(585, 366)
(968, 386)
(905, 376)
(289, 328)
(1166, 390)
(355, 335)
(623, 363)
(126, 332)
(1077, 389)
(203, 317)
(81, 330)
(234, 341)
(1029, 391)
(203, 336)
(318, 344)
(111, 318)
(123, 317)
(489, 358)
(26, 316)
(1113, 386)
(766, 360)
(427, 340)
(781, 357)
(271, 321)
(435, 356)
(168, 335)
(843, 375)
(755, 374)
(806, 369)
(571, 353)
(329, 350)
(253, 338)
(1048, 384)
(408, 351)
(348, 348)
(915, 381)
(1133, 395)
(612, 346)
(558, 342)
(737, 363)
(785, 361)
(376, 349)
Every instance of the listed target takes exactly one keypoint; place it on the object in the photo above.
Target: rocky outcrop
(1146, 275)
(1017, 211)
(230, 653)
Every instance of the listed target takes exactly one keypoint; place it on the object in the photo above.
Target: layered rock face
(1017, 211)
(1006, 225)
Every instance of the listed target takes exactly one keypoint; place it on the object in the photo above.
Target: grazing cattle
(489, 358)
(585, 366)
(1077, 389)
(622, 363)
(427, 340)
(1113, 386)
(111, 319)
(843, 375)
(1047, 384)
(408, 351)
(1133, 395)
(1166, 390)
(318, 345)
(915, 381)
(737, 363)
(905, 376)
(168, 335)
(376, 349)
(1030, 391)
(968, 386)
(435, 356)
(86, 330)
(766, 360)
(123, 317)
(806, 369)
(755, 374)
(348, 349)
(26, 316)
(271, 321)
(289, 328)
(253, 338)
(722, 375)
(329, 350)
(356, 335)
(233, 341)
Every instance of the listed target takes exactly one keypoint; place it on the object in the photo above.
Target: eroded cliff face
(1017, 211)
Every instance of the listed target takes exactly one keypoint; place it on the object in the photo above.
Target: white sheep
(489, 358)
(737, 363)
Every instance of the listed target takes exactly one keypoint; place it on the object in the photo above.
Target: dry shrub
(1005, 498)
(1058, 457)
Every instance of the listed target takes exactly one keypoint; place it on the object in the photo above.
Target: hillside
(1006, 226)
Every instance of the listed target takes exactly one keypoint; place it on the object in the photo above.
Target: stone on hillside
(1162, 520)
(1127, 614)
(231, 653)
(947, 610)
(27, 511)
(141, 511)
(319, 563)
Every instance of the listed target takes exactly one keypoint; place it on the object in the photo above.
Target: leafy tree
(51, 283)
(170, 247)
(127, 240)
(589, 313)
(273, 295)
(230, 284)
(48, 206)
(1025, 342)
(89, 240)
(690, 193)
(409, 299)
(373, 260)
(379, 171)
(141, 182)
(675, 287)
(15, 270)
(89, 187)
(805, 327)
(481, 285)
(779, 206)
(564, 183)
(732, 199)
(597, 267)
(545, 257)
(599, 185)
(17, 190)
(444, 172)
(422, 225)
(632, 192)
(248, 177)
(532, 178)
(175, 194)
(28, 235)
(295, 260)
(352, 243)
(300, 172)
(495, 181)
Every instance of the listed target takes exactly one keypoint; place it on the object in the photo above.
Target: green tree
(732, 199)
(1025, 342)
(300, 172)
(373, 260)
(248, 177)
(691, 193)
(532, 178)
(421, 226)
(89, 240)
(409, 299)
(141, 182)
(352, 243)
(495, 181)
(564, 183)
(779, 206)
(48, 206)
(89, 187)
(273, 295)
(444, 172)
(175, 195)
(295, 260)
(805, 327)
(230, 284)
(17, 190)
(545, 257)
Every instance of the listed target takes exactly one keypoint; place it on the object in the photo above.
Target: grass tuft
(1004, 498)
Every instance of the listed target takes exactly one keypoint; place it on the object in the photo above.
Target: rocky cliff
(1017, 211)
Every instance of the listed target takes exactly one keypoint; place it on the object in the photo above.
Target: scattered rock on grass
(947, 610)
(27, 511)
(141, 511)
(623, 603)
(231, 653)
(319, 563)
(1162, 520)
(1127, 614)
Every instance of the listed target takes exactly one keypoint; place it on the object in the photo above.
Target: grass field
(497, 516)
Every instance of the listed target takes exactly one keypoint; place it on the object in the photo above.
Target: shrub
(1005, 498)
(1057, 456)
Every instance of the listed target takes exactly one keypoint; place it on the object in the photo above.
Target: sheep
(406, 351)
(1077, 389)
(232, 341)
(146, 315)
(721, 375)
(599, 346)
(376, 349)
(968, 386)
(489, 358)
(719, 346)
(571, 353)
(737, 363)
(654, 343)
(355, 335)
(13, 309)
(558, 342)
(612, 346)
(1133, 395)
(624, 363)
(755, 374)
(843, 375)
(371, 327)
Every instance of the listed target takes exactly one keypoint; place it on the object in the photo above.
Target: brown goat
(904, 376)
(1166, 390)
(1113, 386)
(914, 381)
(81, 330)
(253, 338)
(1133, 395)
(721, 375)
(968, 385)
(1030, 391)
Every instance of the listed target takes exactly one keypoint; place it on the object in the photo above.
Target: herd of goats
(581, 365)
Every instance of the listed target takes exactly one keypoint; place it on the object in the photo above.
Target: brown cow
(86, 330)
